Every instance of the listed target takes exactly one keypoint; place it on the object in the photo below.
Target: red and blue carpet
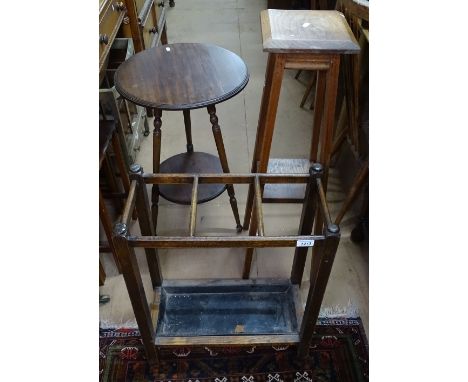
(338, 353)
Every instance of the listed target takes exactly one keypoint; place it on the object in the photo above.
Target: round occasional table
(185, 76)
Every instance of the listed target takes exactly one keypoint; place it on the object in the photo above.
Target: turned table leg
(156, 164)
(224, 163)
(188, 130)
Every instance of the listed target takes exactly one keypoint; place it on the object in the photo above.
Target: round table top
(181, 76)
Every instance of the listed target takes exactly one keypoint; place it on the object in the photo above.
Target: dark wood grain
(224, 178)
(253, 228)
(358, 9)
(112, 184)
(356, 186)
(224, 162)
(318, 114)
(259, 136)
(108, 133)
(318, 282)
(325, 213)
(355, 72)
(156, 164)
(106, 222)
(309, 209)
(328, 120)
(188, 130)
(136, 291)
(308, 90)
(106, 130)
(181, 76)
(110, 19)
(137, 35)
(321, 265)
(191, 163)
(311, 40)
(102, 274)
(266, 122)
(121, 163)
(146, 223)
(255, 225)
(219, 241)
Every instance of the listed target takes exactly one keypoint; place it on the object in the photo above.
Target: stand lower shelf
(220, 312)
(191, 163)
(286, 193)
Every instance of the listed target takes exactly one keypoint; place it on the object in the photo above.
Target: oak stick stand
(227, 312)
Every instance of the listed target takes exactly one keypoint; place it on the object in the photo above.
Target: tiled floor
(235, 25)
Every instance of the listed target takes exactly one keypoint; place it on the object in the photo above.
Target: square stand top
(303, 31)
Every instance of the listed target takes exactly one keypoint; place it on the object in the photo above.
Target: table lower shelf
(191, 163)
(286, 193)
(219, 312)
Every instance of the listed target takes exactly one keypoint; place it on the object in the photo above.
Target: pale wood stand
(298, 39)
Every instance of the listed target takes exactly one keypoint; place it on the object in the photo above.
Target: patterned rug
(338, 353)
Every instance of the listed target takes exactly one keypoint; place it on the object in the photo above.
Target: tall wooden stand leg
(156, 164)
(224, 163)
(122, 165)
(328, 120)
(355, 72)
(102, 274)
(188, 130)
(320, 272)
(112, 182)
(164, 35)
(309, 210)
(107, 225)
(308, 89)
(354, 191)
(326, 134)
(252, 232)
(341, 130)
(318, 114)
(146, 223)
(136, 291)
(137, 34)
(120, 133)
(249, 252)
(266, 122)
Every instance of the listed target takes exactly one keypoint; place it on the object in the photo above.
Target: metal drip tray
(227, 308)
